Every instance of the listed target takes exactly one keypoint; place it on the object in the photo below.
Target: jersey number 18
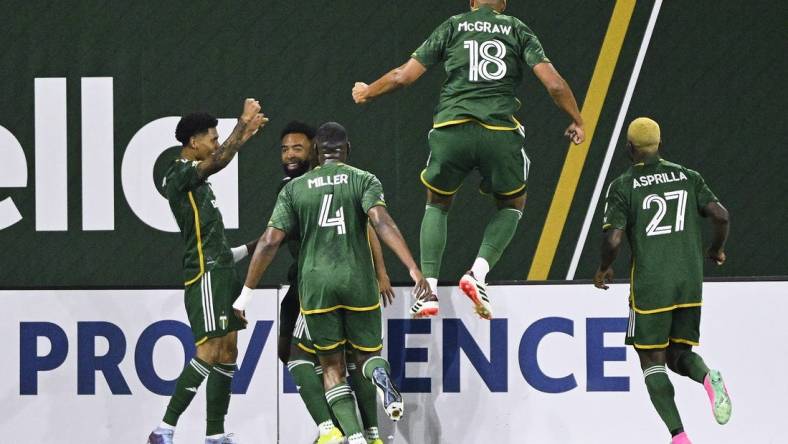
(486, 60)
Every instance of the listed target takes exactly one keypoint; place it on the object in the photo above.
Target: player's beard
(301, 168)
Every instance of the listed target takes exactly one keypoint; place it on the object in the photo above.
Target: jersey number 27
(654, 228)
(486, 60)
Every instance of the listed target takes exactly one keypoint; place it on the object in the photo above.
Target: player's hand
(716, 256)
(386, 292)
(422, 288)
(241, 314)
(251, 108)
(360, 93)
(575, 133)
(254, 125)
(603, 277)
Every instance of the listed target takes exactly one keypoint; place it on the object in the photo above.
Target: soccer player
(660, 206)
(485, 54)
(208, 267)
(295, 349)
(330, 208)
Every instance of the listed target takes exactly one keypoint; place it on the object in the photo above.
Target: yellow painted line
(576, 156)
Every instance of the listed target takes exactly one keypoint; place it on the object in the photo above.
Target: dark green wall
(713, 77)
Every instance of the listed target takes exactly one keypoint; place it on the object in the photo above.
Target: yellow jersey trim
(512, 192)
(606, 226)
(306, 349)
(684, 341)
(655, 310)
(486, 125)
(337, 307)
(650, 347)
(435, 189)
(199, 240)
(201, 341)
(367, 349)
(332, 346)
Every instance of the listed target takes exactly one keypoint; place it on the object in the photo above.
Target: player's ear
(348, 149)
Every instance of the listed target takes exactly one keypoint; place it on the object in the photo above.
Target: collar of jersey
(485, 6)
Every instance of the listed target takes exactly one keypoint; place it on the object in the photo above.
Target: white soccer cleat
(477, 293)
(425, 307)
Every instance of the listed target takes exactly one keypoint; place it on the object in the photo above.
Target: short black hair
(298, 127)
(194, 124)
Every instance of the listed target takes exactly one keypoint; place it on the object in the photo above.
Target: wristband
(243, 299)
(239, 253)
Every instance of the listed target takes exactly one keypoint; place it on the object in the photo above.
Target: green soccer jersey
(659, 204)
(328, 206)
(194, 206)
(484, 54)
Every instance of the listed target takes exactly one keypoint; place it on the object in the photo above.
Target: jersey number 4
(654, 228)
(486, 60)
(339, 216)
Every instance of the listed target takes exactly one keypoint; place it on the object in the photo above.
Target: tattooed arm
(248, 124)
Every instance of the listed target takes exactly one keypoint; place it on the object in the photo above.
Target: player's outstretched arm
(721, 220)
(611, 244)
(391, 81)
(384, 283)
(264, 253)
(389, 233)
(562, 95)
(249, 123)
(241, 251)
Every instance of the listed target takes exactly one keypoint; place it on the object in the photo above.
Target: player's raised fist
(251, 108)
(360, 92)
(718, 257)
(254, 125)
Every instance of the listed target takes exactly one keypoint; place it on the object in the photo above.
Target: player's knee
(516, 203)
(441, 201)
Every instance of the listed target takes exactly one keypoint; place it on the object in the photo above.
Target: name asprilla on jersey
(656, 179)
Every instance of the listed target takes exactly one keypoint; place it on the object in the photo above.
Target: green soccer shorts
(302, 339)
(209, 304)
(332, 331)
(658, 330)
(458, 149)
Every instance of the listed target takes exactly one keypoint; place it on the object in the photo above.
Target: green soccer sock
(310, 387)
(497, 235)
(185, 388)
(340, 399)
(432, 240)
(373, 363)
(366, 394)
(661, 392)
(218, 397)
(690, 364)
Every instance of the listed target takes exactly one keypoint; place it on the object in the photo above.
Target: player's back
(664, 203)
(485, 54)
(335, 261)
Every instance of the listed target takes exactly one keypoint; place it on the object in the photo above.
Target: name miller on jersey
(485, 27)
(318, 182)
(655, 179)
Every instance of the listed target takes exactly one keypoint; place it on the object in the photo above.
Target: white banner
(550, 368)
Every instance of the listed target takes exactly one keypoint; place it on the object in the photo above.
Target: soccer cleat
(389, 395)
(161, 436)
(681, 438)
(477, 292)
(718, 395)
(425, 307)
(226, 439)
(334, 436)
